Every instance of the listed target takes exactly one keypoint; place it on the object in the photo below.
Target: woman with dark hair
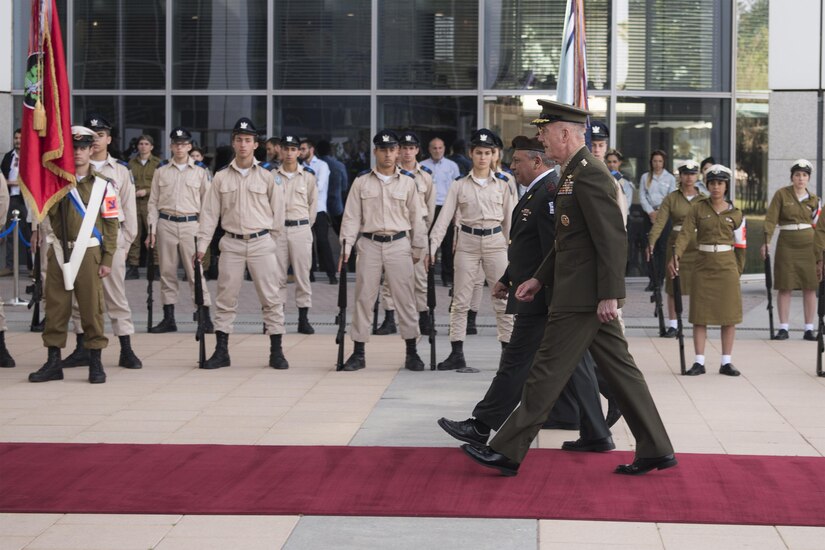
(654, 186)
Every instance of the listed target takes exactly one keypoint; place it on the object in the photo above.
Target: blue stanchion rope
(9, 230)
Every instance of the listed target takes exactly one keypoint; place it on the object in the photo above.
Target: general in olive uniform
(6, 360)
(586, 270)
(794, 211)
(96, 264)
(176, 198)
(715, 298)
(383, 222)
(143, 167)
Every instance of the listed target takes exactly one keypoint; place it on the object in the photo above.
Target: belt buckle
(716, 248)
(246, 237)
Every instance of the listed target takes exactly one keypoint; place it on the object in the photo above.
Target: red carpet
(394, 481)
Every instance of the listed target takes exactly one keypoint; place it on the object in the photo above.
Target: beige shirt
(481, 207)
(125, 185)
(243, 204)
(301, 194)
(4, 198)
(426, 194)
(177, 192)
(384, 209)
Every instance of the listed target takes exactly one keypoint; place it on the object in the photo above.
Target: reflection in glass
(131, 116)
(752, 45)
(447, 117)
(752, 155)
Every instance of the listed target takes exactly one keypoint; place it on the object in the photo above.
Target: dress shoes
(644, 465)
(781, 334)
(695, 370)
(601, 445)
(728, 370)
(670, 333)
(464, 430)
(486, 456)
(809, 336)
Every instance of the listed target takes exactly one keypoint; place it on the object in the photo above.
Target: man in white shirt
(320, 228)
(444, 172)
(11, 168)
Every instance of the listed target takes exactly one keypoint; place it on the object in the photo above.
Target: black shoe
(670, 333)
(79, 357)
(388, 325)
(413, 362)
(464, 430)
(471, 322)
(303, 322)
(277, 360)
(96, 374)
(453, 361)
(649, 287)
(781, 334)
(486, 456)
(695, 370)
(333, 280)
(589, 445)
(132, 273)
(220, 358)
(644, 465)
(809, 336)
(555, 425)
(354, 362)
(52, 369)
(167, 324)
(613, 413)
(127, 359)
(728, 370)
(6, 360)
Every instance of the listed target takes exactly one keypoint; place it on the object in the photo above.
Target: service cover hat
(83, 136)
(409, 138)
(553, 111)
(718, 172)
(802, 165)
(97, 122)
(290, 140)
(524, 143)
(689, 167)
(484, 138)
(181, 135)
(599, 131)
(244, 126)
(385, 138)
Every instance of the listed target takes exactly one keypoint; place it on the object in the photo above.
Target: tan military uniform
(480, 209)
(174, 204)
(295, 242)
(792, 268)
(251, 212)
(143, 181)
(88, 290)
(378, 210)
(675, 209)
(4, 210)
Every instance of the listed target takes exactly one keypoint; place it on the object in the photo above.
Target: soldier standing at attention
(178, 189)
(114, 285)
(250, 206)
(382, 220)
(482, 201)
(96, 265)
(295, 243)
(143, 167)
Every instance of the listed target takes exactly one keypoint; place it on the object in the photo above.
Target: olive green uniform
(88, 287)
(793, 268)
(716, 298)
(143, 181)
(675, 208)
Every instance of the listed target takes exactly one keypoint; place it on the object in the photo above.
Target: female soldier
(794, 210)
(654, 186)
(675, 208)
(716, 298)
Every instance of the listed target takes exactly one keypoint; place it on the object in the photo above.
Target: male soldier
(295, 243)
(482, 201)
(143, 167)
(66, 218)
(6, 360)
(586, 269)
(273, 151)
(250, 206)
(322, 220)
(178, 188)
(114, 286)
(382, 220)
(444, 172)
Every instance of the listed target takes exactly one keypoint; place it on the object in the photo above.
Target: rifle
(431, 306)
(768, 285)
(150, 278)
(342, 310)
(199, 334)
(656, 295)
(677, 298)
(37, 292)
(820, 335)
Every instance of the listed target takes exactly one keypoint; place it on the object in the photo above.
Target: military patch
(565, 221)
(525, 212)
(278, 180)
(566, 187)
(552, 207)
(584, 162)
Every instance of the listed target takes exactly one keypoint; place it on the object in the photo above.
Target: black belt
(294, 223)
(248, 237)
(384, 238)
(480, 232)
(178, 219)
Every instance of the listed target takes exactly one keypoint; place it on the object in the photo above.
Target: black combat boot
(471, 322)
(456, 358)
(96, 374)
(412, 361)
(132, 273)
(303, 322)
(52, 369)
(221, 356)
(357, 360)
(79, 357)
(167, 324)
(127, 359)
(276, 353)
(388, 326)
(6, 360)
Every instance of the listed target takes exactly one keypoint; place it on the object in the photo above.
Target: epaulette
(501, 176)
(266, 166)
(364, 172)
(310, 170)
(164, 162)
(430, 172)
(123, 162)
(202, 165)
(101, 176)
(459, 177)
(407, 173)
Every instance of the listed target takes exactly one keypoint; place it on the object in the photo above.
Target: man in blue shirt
(444, 172)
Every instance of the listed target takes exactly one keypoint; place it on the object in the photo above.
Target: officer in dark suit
(586, 270)
(533, 228)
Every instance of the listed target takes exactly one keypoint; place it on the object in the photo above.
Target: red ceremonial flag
(46, 153)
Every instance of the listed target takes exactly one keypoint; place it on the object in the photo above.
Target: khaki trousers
(420, 274)
(3, 326)
(259, 256)
(395, 260)
(295, 248)
(475, 253)
(478, 290)
(175, 241)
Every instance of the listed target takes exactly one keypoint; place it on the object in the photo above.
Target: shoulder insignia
(310, 170)
(123, 163)
(364, 172)
(202, 165)
(407, 173)
(425, 169)
(584, 162)
(266, 165)
(164, 162)
(501, 176)
(459, 177)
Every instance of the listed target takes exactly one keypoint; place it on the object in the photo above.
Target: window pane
(21, 17)
(752, 47)
(322, 44)
(449, 118)
(119, 45)
(219, 44)
(673, 45)
(130, 116)
(428, 45)
(751, 174)
(523, 40)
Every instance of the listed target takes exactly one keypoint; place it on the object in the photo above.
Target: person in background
(654, 186)
(444, 173)
(143, 166)
(459, 156)
(320, 229)
(338, 184)
(10, 167)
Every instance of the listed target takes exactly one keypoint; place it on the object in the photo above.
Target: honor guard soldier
(295, 243)
(143, 168)
(6, 360)
(178, 189)
(114, 286)
(382, 220)
(482, 201)
(66, 217)
(249, 204)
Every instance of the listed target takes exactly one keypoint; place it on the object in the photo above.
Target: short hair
(18, 131)
(709, 160)
(196, 150)
(323, 148)
(146, 137)
(616, 153)
(545, 160)
(276, 141)
(308, 141)
(433, 139)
